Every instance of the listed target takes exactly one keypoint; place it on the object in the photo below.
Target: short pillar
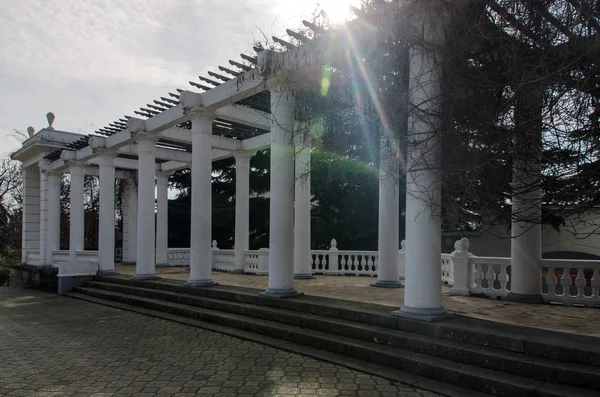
(201, 226)
(302, 262)
(389, 211)
(242, 208)
(281, 214)
(423, 293)
(460, 268)
(162, 218)
(144, 267)
(76, 214)
(106, 229)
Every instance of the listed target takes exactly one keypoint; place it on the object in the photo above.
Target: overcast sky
(92, 61)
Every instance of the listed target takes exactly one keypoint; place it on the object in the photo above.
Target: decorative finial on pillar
(30, 131)
(50, 117)
(333, 245)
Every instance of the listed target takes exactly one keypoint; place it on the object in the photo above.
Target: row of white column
(289, 226)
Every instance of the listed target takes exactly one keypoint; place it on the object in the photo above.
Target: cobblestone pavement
(56, 346)
(576, 320)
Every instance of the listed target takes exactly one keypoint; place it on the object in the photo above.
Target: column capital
(106, 158)
(143, 136)
(77, 168)
(202, 113)
(243, 156)
(46, 168)
(202, 121)
(163, 176)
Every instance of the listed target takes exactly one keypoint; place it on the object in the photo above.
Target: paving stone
(56, 346)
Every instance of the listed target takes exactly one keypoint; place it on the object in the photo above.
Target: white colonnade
(145, 265)
(201, 211)
(76, 214)
(423, 293)
(106, 232)
(162, 218)
(242, 209)
(281, 221)
(302, 260)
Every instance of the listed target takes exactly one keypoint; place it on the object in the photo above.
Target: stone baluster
(460, 262)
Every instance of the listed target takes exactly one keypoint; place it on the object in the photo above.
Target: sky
(91, 62)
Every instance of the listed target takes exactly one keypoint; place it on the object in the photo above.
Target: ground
(58, 346)
(576, 320)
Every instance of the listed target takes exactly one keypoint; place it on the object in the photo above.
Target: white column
(130, 222)
(201, 227)
(242, 208)
(76, 212)
(526, 228)
(302, 260)
(45, 260)
(389, 211)
(31, 212)
(54, 210)
(281, 214)
(106, 230)
(162, 218)
(144, 266)
(423, 293)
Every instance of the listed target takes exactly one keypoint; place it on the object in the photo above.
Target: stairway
(456, 357)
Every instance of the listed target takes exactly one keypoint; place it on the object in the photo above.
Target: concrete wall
(576, 237)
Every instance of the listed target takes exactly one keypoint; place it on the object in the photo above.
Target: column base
(152, 276)
(459, 291)
(423, 313)
(107, 273)
(387, 284)
(161, 265)
(281, 293)
(524, 298)
(238, 271)
(304, 276)
(200, 283)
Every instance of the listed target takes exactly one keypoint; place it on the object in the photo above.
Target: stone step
(535, 342)
(374, 369)
(479, 379)
(535, 367)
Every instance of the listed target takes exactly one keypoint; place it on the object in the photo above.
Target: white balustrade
(489, 276)
(178, 256)
(257, 262)
(447, 269)
(223, 260)
(571, 282)
(359, 263)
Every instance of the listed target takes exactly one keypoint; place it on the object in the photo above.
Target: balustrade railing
(573, 282)
(570, 282)
(489, 276)
(257, 262)
(447, 269)
(223, 260)
(178, 256)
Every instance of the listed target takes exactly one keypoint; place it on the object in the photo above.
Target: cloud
(93, 61)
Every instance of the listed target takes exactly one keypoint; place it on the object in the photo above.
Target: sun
(338, 10)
